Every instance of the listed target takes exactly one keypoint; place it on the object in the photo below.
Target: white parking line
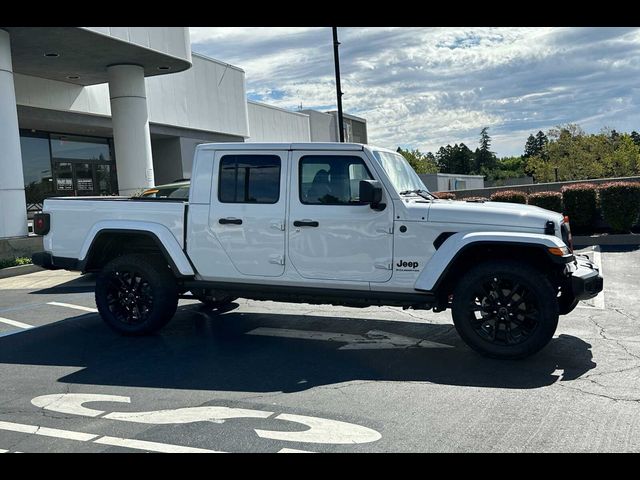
(293, 450)
(103, 440)
(151, 446)
(13, 323)
(70, 305)
(598, 302)
(3, 451)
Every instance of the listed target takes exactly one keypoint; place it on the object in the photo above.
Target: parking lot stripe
(150, 446)
(598, 302)
(70, 305)
(3, 451)
(104, 440)
(47, 432)
(13, 323)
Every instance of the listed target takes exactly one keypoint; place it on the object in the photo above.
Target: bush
(445, 195)
(511, 196)
(547, 200)
(620, 203)
(14, 262)
(579, 203)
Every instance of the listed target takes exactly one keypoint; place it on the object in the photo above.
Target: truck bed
(73, 218)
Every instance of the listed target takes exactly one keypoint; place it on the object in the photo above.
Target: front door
(332, 236)
(247, 211)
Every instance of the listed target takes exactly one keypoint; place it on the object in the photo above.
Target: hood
(495, 214)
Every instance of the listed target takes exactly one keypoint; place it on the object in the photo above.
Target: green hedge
(620, 204)
(579, 202)
(547, 200)
(511, 196)
(445, 195)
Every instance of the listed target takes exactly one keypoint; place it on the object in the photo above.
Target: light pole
(336, 59)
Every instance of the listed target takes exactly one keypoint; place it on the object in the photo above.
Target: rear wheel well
(473, 255)
(109, 245)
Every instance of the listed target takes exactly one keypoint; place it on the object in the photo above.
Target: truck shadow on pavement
(202, 350)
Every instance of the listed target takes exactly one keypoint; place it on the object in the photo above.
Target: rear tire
(136, 294)
(505, 309)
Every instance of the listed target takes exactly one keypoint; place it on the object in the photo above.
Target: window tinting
(249, 179)
(331, 180)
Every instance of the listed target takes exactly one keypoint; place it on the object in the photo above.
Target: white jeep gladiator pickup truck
(323, 223)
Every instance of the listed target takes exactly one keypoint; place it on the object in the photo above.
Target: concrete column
(131, 136)
(13, 208)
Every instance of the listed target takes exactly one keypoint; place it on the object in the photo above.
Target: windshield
(402, 176)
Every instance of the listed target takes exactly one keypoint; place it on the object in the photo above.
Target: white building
(113, 110)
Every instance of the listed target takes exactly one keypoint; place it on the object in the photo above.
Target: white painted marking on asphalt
(3, 451)
(72, 402)
(47, 432)
(151, 446)
(374, 339)
(598, 301)
(103, 440)
(188, 415)
(322, 430)
(70, 305)
(13, 323)
(293, 450)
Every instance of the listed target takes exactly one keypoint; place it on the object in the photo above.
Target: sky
(425, 87)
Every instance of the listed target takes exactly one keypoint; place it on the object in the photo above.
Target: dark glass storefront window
(36, 167)
(63, 165)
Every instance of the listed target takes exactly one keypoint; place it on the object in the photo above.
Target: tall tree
(635, 136)
(531, 147)
(541, 144)
(485, 159)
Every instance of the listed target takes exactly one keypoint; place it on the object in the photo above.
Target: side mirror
(371, 193)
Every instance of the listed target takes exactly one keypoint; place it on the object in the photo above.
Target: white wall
(273, 124)
(209, 96)
(172, 41)
(323, 126)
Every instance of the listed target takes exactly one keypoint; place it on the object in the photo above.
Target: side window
(331, 179)
(249, 179)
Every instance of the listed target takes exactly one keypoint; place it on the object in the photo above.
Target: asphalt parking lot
(274, 377)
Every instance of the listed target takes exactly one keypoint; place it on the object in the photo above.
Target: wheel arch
(461, 251)
(106, 242)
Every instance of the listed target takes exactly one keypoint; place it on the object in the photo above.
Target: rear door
(247, 211)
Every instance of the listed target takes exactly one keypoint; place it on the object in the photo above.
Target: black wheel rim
(129, 297)
(504, 311)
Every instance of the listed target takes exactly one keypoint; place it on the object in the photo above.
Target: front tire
(505, 309)
(136, 294)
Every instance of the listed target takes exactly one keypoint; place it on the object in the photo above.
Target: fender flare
(162, 236)
(437, 266)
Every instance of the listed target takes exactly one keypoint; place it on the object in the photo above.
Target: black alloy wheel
(505, 309)
(136, 294)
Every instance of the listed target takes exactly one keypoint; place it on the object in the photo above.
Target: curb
(19, 270)
(624, 239)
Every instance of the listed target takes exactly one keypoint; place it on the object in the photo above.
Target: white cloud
(426, 87)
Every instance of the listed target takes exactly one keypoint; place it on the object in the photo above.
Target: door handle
(232, 221)
(305, 223)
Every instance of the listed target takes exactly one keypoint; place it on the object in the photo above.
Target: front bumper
(586, 281)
